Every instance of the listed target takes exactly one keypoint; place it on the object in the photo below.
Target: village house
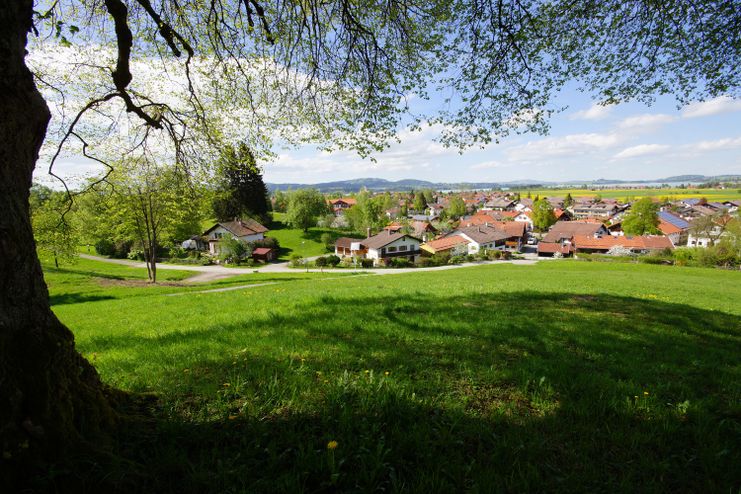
(346, 247)
(387, 245)
(339, 206)
(603, 244)
(674, 227)
(455, 245)
(247, 230)
(600, 210)
(482, 237)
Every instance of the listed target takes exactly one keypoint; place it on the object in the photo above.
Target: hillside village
(433, 228)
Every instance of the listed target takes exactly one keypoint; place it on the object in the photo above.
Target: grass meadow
(561, 376)
(673, 193)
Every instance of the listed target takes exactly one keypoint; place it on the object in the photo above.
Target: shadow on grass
(76, 298)
(86, 273)
(513, 392)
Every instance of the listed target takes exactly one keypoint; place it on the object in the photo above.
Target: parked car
(532, 241)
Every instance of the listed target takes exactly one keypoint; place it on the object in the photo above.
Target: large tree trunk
(51, 399)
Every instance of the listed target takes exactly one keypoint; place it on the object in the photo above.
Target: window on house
(402, 248)
(391, 249)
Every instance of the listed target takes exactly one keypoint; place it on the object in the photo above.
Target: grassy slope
(295, 241)
(506, 377)
(710, 194)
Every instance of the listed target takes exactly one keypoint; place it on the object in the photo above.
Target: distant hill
(380, 184)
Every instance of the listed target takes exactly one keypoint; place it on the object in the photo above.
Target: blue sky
(586, 142)
(629, 141)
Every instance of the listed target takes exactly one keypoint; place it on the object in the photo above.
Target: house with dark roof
(674, 227)
(247, 230)
(482, 237)
(565, 230)
(388, 245)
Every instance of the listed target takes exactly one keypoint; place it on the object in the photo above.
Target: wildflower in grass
(645, 393)
(386, 373)
(332, 445)
(367, 371)
(226, 385)
(232, 417)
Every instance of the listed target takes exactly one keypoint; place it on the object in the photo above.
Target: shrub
(105, 247)
(470, 258)
(297, 260)
(400, 262)
(425, 262)
(496, 254)
(333, 260)
(135, 255)
(366, 263)
(320, 262)
(456, 260)
(121, 249)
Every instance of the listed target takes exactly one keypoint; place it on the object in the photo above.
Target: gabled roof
(674, 220)
(384, 238)
(667, 228)
(553, 247)
(346, 200)
(346, 242)
(567, 229)
(483, 234)
(445, 243)
(240, 228)
(644, 242)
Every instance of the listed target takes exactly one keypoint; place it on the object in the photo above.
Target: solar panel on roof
(670, 218)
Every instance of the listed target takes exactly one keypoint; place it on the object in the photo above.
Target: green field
(675, 194)
(562, 376)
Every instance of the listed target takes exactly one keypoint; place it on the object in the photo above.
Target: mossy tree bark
(51, 398)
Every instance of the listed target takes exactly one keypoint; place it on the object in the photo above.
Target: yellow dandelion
(226, 385)
(387, 373)
(367, 371)
(645, 393)
(232, 417)
(332, 445)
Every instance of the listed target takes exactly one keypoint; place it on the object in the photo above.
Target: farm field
(561, 376)
(676, 194)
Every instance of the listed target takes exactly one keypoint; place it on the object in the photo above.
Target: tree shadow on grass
(76, 298)
(512, 392)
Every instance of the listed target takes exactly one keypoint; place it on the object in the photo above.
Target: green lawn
(295, 241)
(676, 194)
(563, 376)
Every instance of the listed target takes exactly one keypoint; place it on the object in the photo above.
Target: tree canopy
(643, 218)
(241, 191)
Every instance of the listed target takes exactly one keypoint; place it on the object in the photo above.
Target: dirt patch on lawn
(136, 283)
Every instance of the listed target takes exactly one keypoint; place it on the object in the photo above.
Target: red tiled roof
(260, 251)
(553, 247)
(667, 228)
(444, 243)
(645, 242)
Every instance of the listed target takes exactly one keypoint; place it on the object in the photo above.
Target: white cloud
(568, 146)
(715, 106)
(717, 145)
(646, 121)
(594, 112)
(641, 150)
(487, 165)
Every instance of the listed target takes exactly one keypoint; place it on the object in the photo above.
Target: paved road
(213, 273)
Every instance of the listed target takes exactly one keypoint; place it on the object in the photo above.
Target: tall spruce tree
(241, 191)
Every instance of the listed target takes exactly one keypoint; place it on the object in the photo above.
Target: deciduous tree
(643, 218)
